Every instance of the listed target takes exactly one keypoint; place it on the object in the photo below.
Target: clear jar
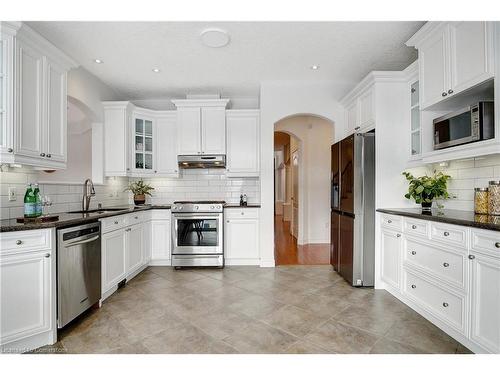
(494, 198)
(481, 201)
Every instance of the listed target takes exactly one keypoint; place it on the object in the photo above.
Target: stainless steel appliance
(201, 161)
(470, 124)
(197, 234)
(78, 270)
(352, 247)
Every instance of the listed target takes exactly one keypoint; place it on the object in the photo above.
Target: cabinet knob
(357, 128)
(243, 213)
(414, 227)
(446, 264)
(450, 91)
(398, 235)
(227, 221)
(445, 304)
(176, 171)
(471, 256)
(389, 221)
(446, 234)
(47, 255)
(116, 222)
(10, 150)
(49, 155)
(413, 90)
(42, 154)
(19, 242)
(414, 286)
(444, 94)
(413, 252)
(497, 245)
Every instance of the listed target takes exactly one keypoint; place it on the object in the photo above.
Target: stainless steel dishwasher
(78, 270)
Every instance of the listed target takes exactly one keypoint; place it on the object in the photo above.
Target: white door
(471, 56)
(189, 130)
(352, 117)
(243, 145)
(485, 302)
(160, 240)
(213, 130)
(166, 147)
(241, 237)
(391, 248)
(55, 130)
(135, 247)
(26, 281)
(434, 69)
(113, 258)
(295, 194)
(29, 108)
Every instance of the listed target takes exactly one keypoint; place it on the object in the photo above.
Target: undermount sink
(97, 211)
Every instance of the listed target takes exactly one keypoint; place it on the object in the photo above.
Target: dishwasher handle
(91, 239)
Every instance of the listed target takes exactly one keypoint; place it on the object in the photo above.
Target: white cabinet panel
(56, 127)
(117, 121)
(160, 240)
(391, 249)
(242, 241)
(135, 247)
(189, 130)
(113, 258)
(243, 152)
(166, 147)
(365, 103)
(213, 130)
(352, 117)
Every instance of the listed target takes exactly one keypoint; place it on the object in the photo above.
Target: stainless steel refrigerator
(352, 247)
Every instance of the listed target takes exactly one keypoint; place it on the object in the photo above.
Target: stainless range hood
(201, 161)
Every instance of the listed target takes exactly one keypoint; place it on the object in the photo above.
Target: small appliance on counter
(243, 200)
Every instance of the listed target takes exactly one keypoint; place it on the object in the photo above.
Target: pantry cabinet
(241, 236)
(243, 140)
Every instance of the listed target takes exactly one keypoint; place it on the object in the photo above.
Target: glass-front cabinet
(415, 131)
(143, 145)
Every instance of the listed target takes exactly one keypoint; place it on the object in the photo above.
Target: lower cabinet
(241, 233)
(391, 249)
(160, 242)
(113, 257)
(135, 246)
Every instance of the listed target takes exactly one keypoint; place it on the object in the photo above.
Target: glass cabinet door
(143, 144)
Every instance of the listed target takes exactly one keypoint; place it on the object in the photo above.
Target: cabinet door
(29, 101)
(485, 302)
(143, 146)
(242, 239)
(26, 289)
(471, 54)
(189, 131)
(213, 130)
(166, 147)
(434, 69)
(365, 103)
(391, 249)
(243, 145)
(113, 258)
(135, 247)
(6, 100)
(55, 129)
(352, 117)
(160, 239)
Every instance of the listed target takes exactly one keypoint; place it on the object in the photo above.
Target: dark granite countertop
(67, 219)
(234, 205)
(457, 217)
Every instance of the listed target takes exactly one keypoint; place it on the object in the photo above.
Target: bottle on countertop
(245, 200)
(29, 202)
(38, 200)
(241, 199)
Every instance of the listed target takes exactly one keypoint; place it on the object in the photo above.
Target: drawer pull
(398, 235)
(116, 222)
(450, 91)
(389, 221)
(413, 226)
(471, 256)
(227, 221)
(444, 94)
(413, 252)
(243, 213)
(445, 304)
(446, 264)
(137, 218)
(497, 245)
(19, 242)
(446, 234)
(47, 255)
(414, 286)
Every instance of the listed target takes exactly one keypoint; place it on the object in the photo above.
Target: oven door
(197, 233)
(454, 129)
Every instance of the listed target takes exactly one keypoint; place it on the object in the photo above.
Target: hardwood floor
(288, 252)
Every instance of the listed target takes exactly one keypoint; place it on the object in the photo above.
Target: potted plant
(425, 189)
(140, 190)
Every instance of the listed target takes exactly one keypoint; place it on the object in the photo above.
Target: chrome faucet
(88, 192)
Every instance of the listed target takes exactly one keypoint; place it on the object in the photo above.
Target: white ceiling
(257, 52)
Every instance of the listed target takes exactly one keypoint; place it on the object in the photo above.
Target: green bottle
(38, 201)
(29, 202)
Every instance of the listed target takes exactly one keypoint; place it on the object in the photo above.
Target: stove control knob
(212, 207)
(218, 207)
(179, 208)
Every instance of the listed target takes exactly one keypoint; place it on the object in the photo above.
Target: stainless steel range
(197, 234)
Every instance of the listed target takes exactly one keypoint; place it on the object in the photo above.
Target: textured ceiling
(258, 51)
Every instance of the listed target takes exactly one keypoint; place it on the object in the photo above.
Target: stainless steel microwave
(471, 124)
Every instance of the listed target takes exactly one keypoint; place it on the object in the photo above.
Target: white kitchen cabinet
(117, 123)
(135, 246)
(365, 104)
(352, 117)
(213, 130)
(241, 236)
(143, 145)
(359, 106)
(160, 242)
(485, 302)
(243, 139)
(7, 52)
(114, 258)
(391, 255)
(188, 131)
(166, 145)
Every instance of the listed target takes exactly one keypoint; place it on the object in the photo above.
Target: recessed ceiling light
(314, 67)
(98, 61)
(214, 37)
(156, 70)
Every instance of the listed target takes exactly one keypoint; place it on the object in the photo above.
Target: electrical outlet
(12, 194)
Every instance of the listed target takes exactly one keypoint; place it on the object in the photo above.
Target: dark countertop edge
(440, 219)
(78, 220)
(238, 206)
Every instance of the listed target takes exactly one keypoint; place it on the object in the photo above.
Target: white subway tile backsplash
(476, 172)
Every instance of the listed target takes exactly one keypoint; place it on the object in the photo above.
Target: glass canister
(481, 201)
(494, 198)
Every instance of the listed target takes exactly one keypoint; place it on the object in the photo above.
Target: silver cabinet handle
(446, 234)
(444, 94)
(471, 256)
(446, 264)
(243, 213)
(128, 230)
(414, 286)
(19, 242)
(398, 235)
(227, 221)
(357, 128)
(413, 226)
(156, 172)
(413, 90)
(49, 155)
(116, 222)
(413, 252)
(137, 218)
(445, 304)
(42, 154)
(389, 221)
(450, 91)
(497, 245)
(47, 255)
(10, 150)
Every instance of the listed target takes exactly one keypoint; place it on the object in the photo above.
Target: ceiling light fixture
(98, 61)
(214, 38)
(156, 70)
(314, 67)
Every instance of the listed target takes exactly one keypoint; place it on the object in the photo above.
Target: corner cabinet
(243, 140)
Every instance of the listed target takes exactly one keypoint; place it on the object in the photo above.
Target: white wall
(277, 101)
(316, 136)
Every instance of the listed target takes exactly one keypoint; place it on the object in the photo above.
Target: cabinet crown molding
(201, 102)
(10, 27)
(424, 32)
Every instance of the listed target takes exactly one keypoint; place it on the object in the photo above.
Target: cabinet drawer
(234, 213)
(442, 303)
(391, 221)
(416, 227)
(447, 265)
(486, 241)
(26, 240)
(112, 223)
(134, 218)
(449, 234)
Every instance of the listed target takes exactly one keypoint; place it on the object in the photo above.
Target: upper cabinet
(201, 126)
(243, 139)
(453, 57)
(166, 145)
(143, 144)
(359, 107)
(33, 100)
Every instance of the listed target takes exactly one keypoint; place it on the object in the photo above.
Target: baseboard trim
(242, 262)
(267, 263)
(29, 343)
(160, 262)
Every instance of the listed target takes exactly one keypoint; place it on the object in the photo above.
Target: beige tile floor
(292, 309)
